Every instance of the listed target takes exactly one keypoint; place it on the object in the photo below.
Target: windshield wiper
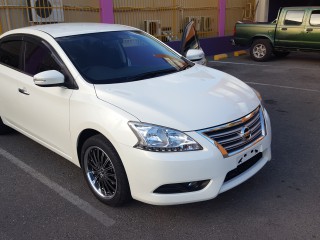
(151, 74)
(185, 67)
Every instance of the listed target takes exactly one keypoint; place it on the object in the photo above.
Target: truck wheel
(4, 128)
(261, 50)
(280, 54)
(104, 172)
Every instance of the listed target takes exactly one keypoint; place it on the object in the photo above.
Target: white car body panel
(51, 125)
(98, 115)
(8, 91)
(190, 166)
(67, 29)
(56, 116)
(200, 105)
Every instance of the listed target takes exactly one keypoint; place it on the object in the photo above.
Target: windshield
(123, 56)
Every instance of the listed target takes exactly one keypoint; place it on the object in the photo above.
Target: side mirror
(51, 78)
(197, 56)
(189, 39)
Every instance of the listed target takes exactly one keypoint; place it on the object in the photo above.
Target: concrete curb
(232, 54)
(220, 56)
(240, 53)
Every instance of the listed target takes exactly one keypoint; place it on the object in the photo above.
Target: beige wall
(14, 13)
(171, 14)
(262, 11)
(238, 10)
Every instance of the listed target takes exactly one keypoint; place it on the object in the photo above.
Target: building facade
(164, 19)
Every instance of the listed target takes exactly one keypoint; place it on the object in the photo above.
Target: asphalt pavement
(43, 196)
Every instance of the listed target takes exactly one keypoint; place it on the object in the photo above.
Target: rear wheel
(261, 50)
(104, 172)
(4, 128)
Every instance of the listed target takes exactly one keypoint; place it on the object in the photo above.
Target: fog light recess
(182, 187)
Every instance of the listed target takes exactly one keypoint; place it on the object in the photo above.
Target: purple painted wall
(106, 13)
(216, 45)
(222, 17)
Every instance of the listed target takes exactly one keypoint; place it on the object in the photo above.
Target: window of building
(294, 18)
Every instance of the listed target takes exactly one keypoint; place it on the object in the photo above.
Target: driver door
(43, 112)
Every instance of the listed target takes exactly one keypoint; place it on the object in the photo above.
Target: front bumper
(147, 171)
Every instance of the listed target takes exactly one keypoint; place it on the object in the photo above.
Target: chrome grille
(238, 135)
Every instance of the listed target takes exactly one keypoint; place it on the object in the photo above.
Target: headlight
(162, 139)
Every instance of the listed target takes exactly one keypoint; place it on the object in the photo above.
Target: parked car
(138, 118)
(295, 29)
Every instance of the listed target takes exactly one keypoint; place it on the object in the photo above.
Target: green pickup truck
(295, 29)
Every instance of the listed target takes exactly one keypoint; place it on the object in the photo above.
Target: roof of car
(68, 29)
(302, 7)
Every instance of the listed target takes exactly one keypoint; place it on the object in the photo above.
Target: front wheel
(104, 172)
(261, 50)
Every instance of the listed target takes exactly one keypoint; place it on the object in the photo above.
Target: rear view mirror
(51, 78)
(190, 45)
(196, 56)
(189, 38)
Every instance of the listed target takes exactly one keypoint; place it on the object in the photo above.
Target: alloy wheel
(259, 50)
(100, 172)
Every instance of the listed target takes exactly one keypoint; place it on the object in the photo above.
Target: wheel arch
(261, 37)
(88, 133)
(104, 143)
(83, 136)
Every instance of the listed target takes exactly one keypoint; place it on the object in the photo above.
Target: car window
(294, 18)
(38, 58)
(315, 18)
(122, 56)
(10, 53)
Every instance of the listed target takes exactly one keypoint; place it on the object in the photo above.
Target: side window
(294, 18)
(315, 18)
(10, 53)
(38, 58)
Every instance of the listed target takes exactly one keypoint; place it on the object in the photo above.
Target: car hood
(192, 99)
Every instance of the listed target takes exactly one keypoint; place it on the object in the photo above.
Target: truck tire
(261, 50)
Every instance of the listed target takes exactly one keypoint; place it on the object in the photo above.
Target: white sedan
(141, 120)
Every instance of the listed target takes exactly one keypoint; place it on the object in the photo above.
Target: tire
(4, 129)
(280, 54)
(104, 171)
(261, 50)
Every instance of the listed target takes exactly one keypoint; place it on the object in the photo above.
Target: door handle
(284, 29)
(23, 91)
(309, 30)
